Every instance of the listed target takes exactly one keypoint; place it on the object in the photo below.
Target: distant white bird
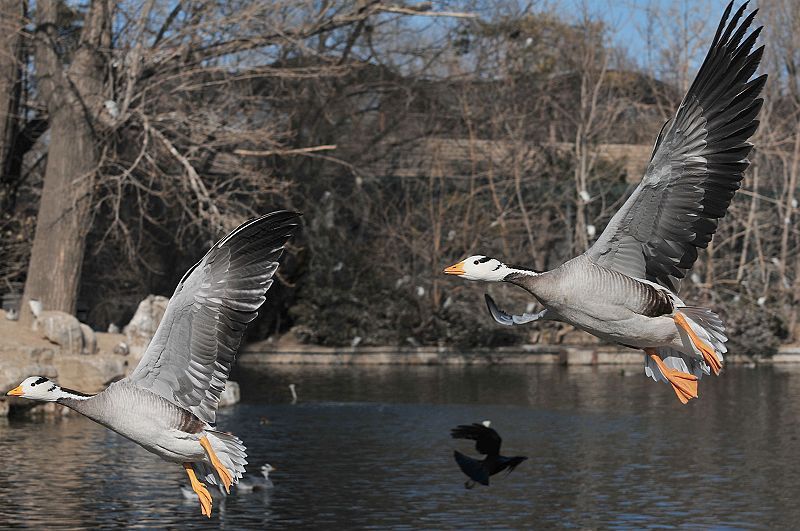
(257, 483)
(112, 108)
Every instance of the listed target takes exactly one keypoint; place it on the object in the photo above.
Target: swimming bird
(623, 289)
(487, 442)
(257, 483)
(168, 403)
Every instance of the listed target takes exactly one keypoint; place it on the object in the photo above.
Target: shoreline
(259, 354)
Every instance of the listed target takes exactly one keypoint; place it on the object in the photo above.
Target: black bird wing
(509, 463)
(696, 167)
(487, 441)
(472, 468)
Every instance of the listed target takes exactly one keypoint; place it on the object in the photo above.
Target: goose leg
(705, 349)
(222, 472)
(200, 489)
(684, 385)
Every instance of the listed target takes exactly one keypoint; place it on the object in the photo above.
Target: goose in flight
(624, 288)
(487, 442)
(168, 403)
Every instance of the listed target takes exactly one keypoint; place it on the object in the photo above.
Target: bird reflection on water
(370, 446)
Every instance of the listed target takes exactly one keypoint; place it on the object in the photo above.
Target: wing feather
(697, 164)
(190, 357)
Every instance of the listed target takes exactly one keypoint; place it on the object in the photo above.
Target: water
(370, 448)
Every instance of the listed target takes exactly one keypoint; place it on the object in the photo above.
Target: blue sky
(628, 19)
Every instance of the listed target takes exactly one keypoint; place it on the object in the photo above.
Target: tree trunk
(12, 13)
(74, 99)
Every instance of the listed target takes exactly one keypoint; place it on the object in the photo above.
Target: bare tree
(74, 93)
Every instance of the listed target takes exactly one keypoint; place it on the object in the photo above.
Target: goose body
(623, 289)
(155, 424)
(168, 403)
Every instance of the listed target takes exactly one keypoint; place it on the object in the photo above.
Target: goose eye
(476, 262)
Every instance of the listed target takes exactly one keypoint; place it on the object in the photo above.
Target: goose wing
(487, 441)
(696, 167)
(189, 358)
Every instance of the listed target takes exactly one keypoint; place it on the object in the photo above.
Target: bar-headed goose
(623, 289)
(168, 403)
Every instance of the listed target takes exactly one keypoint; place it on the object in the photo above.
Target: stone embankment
(266, 353)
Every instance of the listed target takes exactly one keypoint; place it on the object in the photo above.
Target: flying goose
(168, 403)
(624, 288)
(487, 442)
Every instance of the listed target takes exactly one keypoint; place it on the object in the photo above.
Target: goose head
(480, 267)
(266, 469)
(37, 388)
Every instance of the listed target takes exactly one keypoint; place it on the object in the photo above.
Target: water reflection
(370, 448)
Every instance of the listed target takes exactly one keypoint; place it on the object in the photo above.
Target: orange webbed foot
(200, 489)
(705, 349)
(684, 384)
(222, 472)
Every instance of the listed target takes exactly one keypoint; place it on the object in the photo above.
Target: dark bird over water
(487, 442)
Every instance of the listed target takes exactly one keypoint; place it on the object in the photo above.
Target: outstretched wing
(487, 441)
(189, 358)
(472, 468)
(697, 165)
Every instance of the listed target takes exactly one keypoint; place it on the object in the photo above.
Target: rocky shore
(24, 352)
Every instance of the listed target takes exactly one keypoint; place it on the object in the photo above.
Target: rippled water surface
(369, 447)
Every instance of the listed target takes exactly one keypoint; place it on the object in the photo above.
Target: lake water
(370, 448)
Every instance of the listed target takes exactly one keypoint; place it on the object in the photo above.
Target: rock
(89, 374)
(60, 328)
(113, 329)
(144, 323)
(231, 395)
(122, 349)
(89, 340)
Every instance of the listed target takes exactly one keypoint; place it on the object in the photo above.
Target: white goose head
(266, 469)
(480, 267)
(37, 388)
(44, 389)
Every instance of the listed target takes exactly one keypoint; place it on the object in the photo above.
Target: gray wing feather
(189, 358)
(697, 165)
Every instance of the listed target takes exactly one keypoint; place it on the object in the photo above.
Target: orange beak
(17, 391)
(455, 269)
